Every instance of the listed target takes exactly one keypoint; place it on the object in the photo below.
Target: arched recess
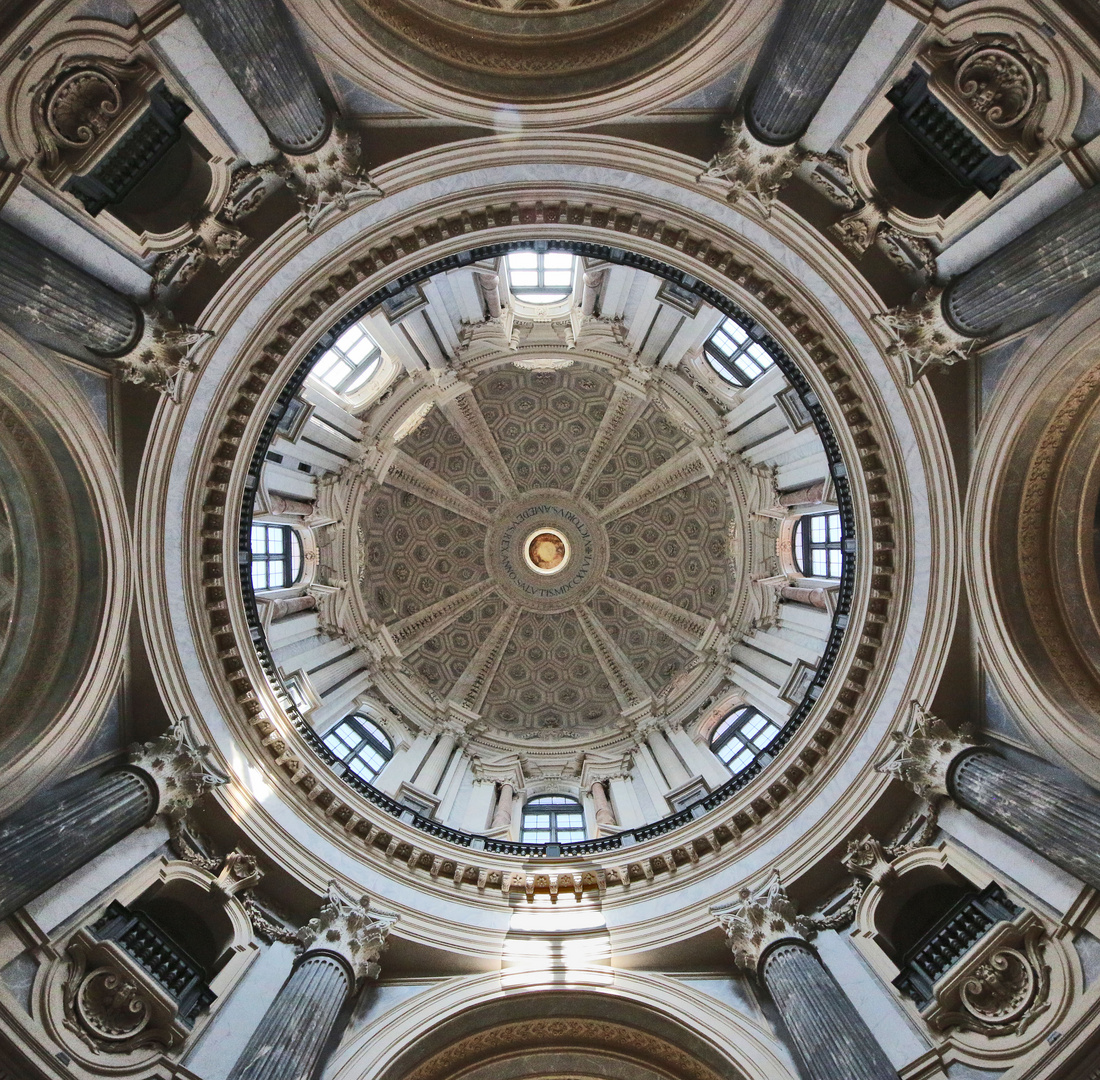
(643, 1028)
(67, 570)
(1031, 525)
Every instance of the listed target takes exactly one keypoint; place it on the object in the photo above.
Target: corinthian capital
(178, 766)
(924, 751)
(752, 169)
(922, 337)
(757, 920)
(351, 930)
(329, 178)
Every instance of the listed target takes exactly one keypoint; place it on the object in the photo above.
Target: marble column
(605, 816)
(1042, 272)
(813, 41)
(810, 597)
(502, 815)
(57, 304)
(669, 763)
(258, 45)
(431, 772)
(52, 836)
(804, 496)
(769, 939)
(291, 605)
(1050, 816)
(340, 952)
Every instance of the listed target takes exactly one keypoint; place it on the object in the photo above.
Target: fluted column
(1040, 273)
(768, 938)
(57, 833)
(1059, 821)
(815, 39)
(259, 47)
(341, 950)
(58, 304)
(431, 773)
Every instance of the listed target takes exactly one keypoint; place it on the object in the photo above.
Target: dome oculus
(546, 551)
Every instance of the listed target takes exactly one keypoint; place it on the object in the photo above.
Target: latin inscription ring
(555, 511)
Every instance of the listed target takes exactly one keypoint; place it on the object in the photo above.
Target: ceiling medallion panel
(559, 589)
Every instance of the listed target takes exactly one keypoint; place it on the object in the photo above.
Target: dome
(548, 539)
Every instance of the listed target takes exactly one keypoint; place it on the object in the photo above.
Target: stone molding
(1031, 609)
(436, 81)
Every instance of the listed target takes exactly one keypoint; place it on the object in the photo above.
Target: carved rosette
(329, 178)
(753, 171)
(922, 337)
(924, 752)
(756, 921)
(179, 768)
(349, 929)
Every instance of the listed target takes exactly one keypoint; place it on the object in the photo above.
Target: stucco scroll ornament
(179, 767)
(1000, 987)
(350, 929)
(753, 171)
(329, 178)
(999, 82)
(758, 919)
(923, 753)
(106, 1006)
(922, 339)
(77, 102)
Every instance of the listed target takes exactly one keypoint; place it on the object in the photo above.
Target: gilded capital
(351, 930)
(924, 751)
(756, 920)
(178, 766)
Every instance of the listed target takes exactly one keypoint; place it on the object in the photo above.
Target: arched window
(361, 744)
(737, 357)
(818, 540)
(351, 361)
(276, 557)
(741, 737)
(540, 277)
(552, 819)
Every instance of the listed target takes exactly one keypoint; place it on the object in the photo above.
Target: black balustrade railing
(952, 936)
(844, 593)
(153, 948)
